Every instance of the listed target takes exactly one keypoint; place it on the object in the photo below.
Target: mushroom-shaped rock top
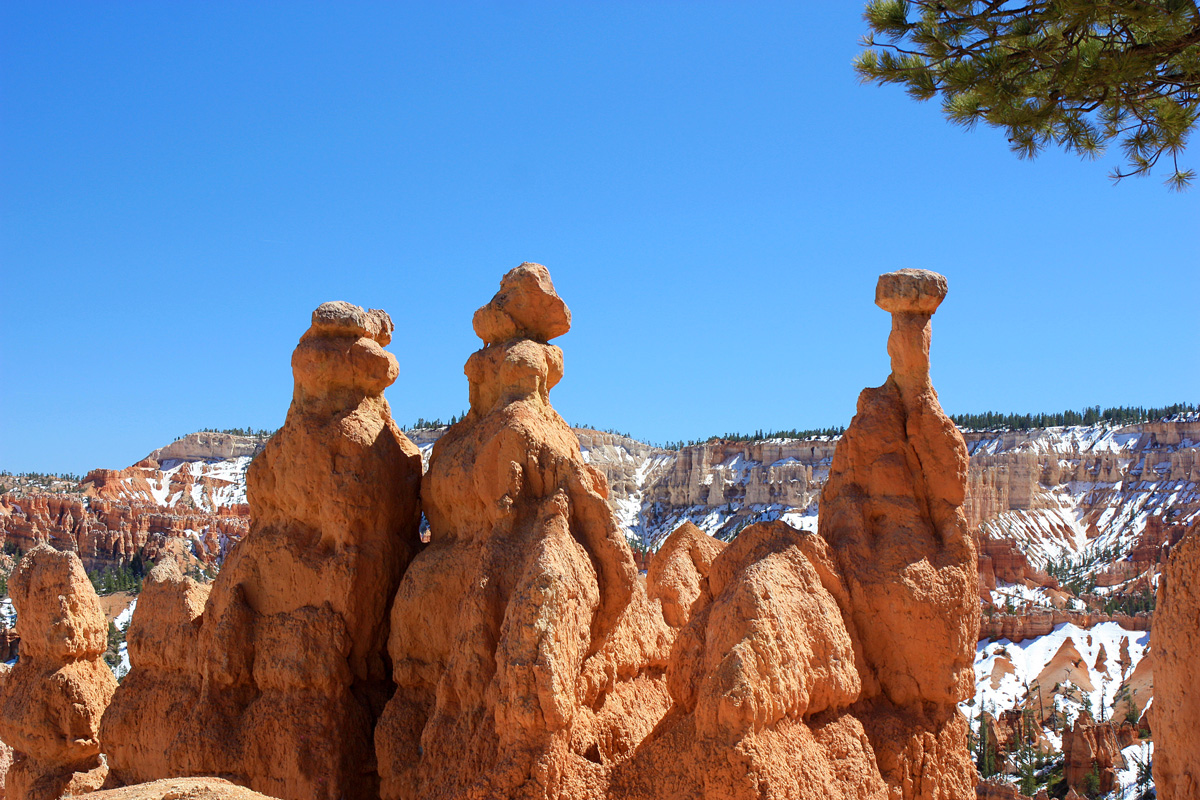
(339, 318)
(526, 307)
(916, 291)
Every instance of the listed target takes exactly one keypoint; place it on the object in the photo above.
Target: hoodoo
(526, 654)
(814, 666)
(290, 670)
(517, 655)
(52, 700)
(892, 515)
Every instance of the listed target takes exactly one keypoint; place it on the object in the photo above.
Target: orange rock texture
(892, 515)
(761, 678)
(157, 696)
(530, 663)
(52, 700)
(287, 663)
(523, 657)
(677, 573)
(1175, 641)
(1089, 747)
(180, 789)
(527, 656)
(6, 752)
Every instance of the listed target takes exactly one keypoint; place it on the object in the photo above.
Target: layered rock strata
(1089, 748)
(526, 654)
(290, 671)
(1175, 641)
(52, 700)
(109, 532)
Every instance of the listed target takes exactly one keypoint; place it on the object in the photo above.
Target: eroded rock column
(290, 670)
(526, 655)
(892, 515)
(52, 700)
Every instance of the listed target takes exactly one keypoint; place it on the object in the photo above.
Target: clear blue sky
(712, 190)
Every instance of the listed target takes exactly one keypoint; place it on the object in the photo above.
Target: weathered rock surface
(290, 669)
(1039, 622)
(761, 677)
(208, 446)
(526, 654)
(52, 700)
(678, 573)
(6, 752)
(892, 514)
(180, 789)
(1175, 641)
(156, 698)
(1090, 747)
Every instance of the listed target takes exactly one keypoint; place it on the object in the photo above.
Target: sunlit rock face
(892, 515)
(1175, 641)
(290, 670)
(526, 654)
(52, 700)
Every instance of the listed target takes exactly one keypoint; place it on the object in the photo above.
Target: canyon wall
(1109, 498)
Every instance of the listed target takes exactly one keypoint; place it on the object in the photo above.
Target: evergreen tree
(1074, 73)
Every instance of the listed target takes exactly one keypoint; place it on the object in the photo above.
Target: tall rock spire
(289, 670)
(892, 515)
(526, 654)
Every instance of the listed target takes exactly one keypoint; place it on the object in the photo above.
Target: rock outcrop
(209, 446)
(156, 698)
(290, 672)
(761, 678)
(1039, 622)
(892, 515)
(6, 752)
(1090, 748)
(526, 654)
(677, 576)
(52, 700)
(1175, 641)
(829, 665)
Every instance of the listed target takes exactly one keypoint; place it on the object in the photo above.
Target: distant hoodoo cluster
(518, 653)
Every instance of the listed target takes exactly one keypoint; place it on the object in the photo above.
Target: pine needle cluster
(1076, 74)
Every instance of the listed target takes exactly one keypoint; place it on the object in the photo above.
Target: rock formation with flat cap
(892, 515)
(52, 700)
(291, 671)
(1175, 641)
(526, 654)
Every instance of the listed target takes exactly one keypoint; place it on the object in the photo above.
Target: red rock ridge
(109, 533)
